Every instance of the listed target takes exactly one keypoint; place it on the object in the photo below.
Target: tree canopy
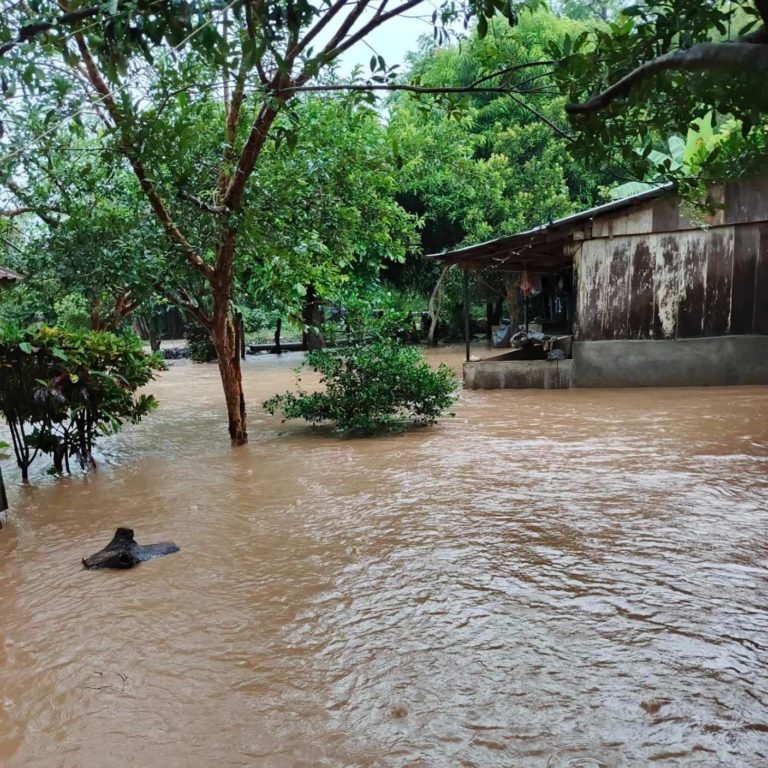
(189, 94)
(659, 68)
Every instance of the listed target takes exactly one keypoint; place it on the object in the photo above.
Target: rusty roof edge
(567, 221)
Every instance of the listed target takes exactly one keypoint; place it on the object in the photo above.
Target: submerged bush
(200, 344)
(374, 388)
(60, 389)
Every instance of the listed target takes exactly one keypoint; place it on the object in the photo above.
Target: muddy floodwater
(549, 579)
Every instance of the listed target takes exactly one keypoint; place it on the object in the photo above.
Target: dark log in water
(124, 552)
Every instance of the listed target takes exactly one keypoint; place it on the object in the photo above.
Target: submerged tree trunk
(147, 330)
(225, 339)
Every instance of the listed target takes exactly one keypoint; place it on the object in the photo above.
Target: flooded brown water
(550, 579)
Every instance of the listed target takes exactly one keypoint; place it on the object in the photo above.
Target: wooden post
(277, 348)
(525, 312)
(466, 312)
(241, 334)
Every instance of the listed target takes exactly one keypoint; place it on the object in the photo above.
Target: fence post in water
(466, 312)
(240, 334)
(277, 349)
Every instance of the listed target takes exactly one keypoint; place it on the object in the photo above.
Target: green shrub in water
(200, 344)
(61, 388)
(371, 389)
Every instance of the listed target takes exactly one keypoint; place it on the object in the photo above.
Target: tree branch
(249, 154)
(541, 117)
(375, 22)
(29, 31)
(345, 27)
(201, 204)
(291, 89)
(190, 305)
(318, 28)
(155, 201)
(510, 70)
(27, 207)
(186, 302)
(13, 212)
(233, 117)
(718, 57)
(11, 244)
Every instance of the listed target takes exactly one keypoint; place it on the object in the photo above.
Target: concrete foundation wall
(519, 374)
(712, 361)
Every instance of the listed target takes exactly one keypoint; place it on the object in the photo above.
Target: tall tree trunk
(277, 349)
(513, 298)
(227, 348)
(147, 329)
(241, 335)
(312, 317)
(435, 300)
(226, 339)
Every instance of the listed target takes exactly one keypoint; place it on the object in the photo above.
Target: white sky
(392, 40)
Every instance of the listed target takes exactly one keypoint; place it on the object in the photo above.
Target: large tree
(490, 164)
(324, 206)
(467, 166)
(85, 235)
(139, 65)
(663, 65)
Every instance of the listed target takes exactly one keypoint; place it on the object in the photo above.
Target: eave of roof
(533, 243)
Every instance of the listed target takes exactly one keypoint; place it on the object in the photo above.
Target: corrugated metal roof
(533, 236)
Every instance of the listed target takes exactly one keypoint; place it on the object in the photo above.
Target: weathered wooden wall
(651, 274)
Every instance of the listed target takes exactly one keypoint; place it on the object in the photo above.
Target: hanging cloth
(530, 285)
(526, 287)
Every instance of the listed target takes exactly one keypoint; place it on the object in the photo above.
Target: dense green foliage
(373, 388)
(660, 67)
(98, 243)
(479, 166)
(209, 156)
(191, 96)
(325, 209)
(200, 345)
(60, 389)
(485, 165)
(88, 239)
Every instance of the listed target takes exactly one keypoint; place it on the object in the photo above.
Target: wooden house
(648, 292)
